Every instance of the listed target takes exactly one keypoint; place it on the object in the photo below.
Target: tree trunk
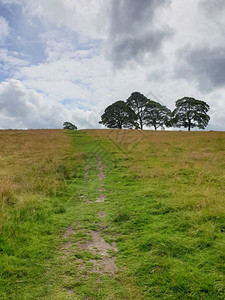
(141, 124)
(189, 125)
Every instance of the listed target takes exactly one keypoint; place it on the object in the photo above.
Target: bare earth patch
(67, 245)
(101, 214)
(97, 245)
(100, 199)
(68, 232)
(70, 292)
(101, 174)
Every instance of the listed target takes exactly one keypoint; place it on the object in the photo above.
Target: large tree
(119, 115)
(156, 115)
(137, 102)
(190, 113)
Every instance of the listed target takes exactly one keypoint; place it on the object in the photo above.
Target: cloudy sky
(67, 60)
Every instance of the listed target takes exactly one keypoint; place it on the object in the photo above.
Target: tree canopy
(119, 115)
(137, 102)
(156, 115)
(70, 126)
(138, 111)
(190, 113)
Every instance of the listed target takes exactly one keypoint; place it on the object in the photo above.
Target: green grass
(166, 206)
(165, 210)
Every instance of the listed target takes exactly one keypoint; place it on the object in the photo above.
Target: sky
(67, 60)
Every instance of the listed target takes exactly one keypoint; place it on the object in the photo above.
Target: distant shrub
(70, 126)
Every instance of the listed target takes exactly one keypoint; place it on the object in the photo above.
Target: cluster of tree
(70, 126)
(138, 111)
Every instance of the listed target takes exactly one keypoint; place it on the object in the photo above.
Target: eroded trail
(97, 245)
(86, 247)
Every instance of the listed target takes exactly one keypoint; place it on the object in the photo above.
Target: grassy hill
(112, 214)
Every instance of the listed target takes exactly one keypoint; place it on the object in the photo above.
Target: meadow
(35, 168)
(163, 208)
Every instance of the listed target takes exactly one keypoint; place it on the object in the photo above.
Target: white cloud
(4, 29)
(12, 58)
(25, 108)
(77, 75)
(85, 17)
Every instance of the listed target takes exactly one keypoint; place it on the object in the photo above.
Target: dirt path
(101, 258)
(97, 244)
(101, 174)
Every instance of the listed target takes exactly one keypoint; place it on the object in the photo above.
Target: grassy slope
(166, 203)
(165, 209)
(37, 167)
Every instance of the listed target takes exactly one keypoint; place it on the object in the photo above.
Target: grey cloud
(214, 13)
(132, 30)
(202, 64)
(128, 15)
(212, 7)
(217, 116)
(134, 48)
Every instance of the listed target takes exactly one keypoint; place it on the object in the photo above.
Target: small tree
(119, 115)
(70, 126)
(137, 102)
(190, 113)
(156, 115)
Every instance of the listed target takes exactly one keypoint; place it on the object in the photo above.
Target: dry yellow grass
(32, 162)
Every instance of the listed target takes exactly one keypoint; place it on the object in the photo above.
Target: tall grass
(32, 162)
(35, 168)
